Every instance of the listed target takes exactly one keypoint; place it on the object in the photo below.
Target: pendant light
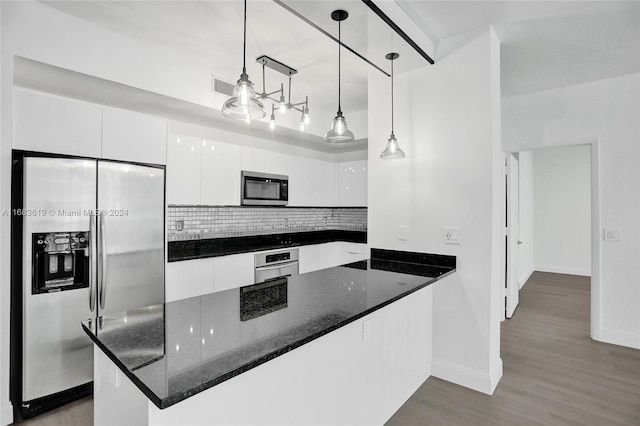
(244, 105)
(392, 150)
(339, 133)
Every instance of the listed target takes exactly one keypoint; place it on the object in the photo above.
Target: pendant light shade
(244, 104)
(339, 132)
(392, 151)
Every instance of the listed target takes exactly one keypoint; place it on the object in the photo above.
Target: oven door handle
(278, 266)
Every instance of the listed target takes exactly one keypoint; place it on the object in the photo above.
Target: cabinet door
(131, 136)
(352, 184)
(312, 183)
(48, 123)
(352, 252)
(233, 271)
(184, 159)
(308, 260)
(329, 255)
(220, 183)
(188, 278)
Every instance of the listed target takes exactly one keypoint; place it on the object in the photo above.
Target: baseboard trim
(620, 338)
(6, 413)
(472, 379)
(563, 270)
(527, 276)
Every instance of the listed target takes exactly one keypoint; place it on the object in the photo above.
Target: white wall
(562, 212)
(447, 124)
(605, 113)
(525, 217)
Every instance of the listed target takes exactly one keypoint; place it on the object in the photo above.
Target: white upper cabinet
(131, 136)
(184, 163)
(220, 177)
(312, 183)
(53, 124)
(352, 184)
(48, 123)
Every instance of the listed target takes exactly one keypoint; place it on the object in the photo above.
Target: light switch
(402, 232)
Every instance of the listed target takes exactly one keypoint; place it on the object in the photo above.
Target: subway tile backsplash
(187, 222)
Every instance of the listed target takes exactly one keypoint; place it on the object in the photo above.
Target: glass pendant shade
(339, 132)
(244, 104)
(392, 150)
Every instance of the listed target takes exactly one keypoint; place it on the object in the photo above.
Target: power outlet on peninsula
(451, 235)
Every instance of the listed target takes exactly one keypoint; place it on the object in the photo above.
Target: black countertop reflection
(175, 350)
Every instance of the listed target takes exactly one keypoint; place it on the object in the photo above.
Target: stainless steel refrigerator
(92, 242)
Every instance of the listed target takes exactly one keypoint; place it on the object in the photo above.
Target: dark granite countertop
(212, 247)
(174, 350)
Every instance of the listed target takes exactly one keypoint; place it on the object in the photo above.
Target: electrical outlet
(451, 235)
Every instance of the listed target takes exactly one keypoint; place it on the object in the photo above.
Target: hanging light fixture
(339, 133)
(244, 105)
(392, 150)
(283, 104)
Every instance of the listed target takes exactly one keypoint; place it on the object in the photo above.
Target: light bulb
(272, 123)
(283, 108)
(244, 95)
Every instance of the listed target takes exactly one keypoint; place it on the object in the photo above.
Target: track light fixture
(283, 105)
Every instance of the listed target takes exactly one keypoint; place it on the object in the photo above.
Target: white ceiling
(545, 44)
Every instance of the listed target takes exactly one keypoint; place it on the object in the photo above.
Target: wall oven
(276, 264)
(263, 189)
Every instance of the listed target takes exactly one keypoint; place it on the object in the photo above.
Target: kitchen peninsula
(343, 345)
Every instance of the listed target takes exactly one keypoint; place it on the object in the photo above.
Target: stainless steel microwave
(263, 189)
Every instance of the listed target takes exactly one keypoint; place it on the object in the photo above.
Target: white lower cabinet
(233, 271)
(308, 258)
(353, 252)
(189, 278)
(328, 255)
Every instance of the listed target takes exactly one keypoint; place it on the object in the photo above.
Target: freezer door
(131, 229)
(56, 353)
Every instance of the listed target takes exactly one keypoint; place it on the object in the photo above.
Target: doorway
(552, 219)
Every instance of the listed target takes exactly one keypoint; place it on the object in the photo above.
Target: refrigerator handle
(92, 261)
(102, 289)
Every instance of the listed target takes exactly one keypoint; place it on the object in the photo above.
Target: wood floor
(554, 374)
(76, 413)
